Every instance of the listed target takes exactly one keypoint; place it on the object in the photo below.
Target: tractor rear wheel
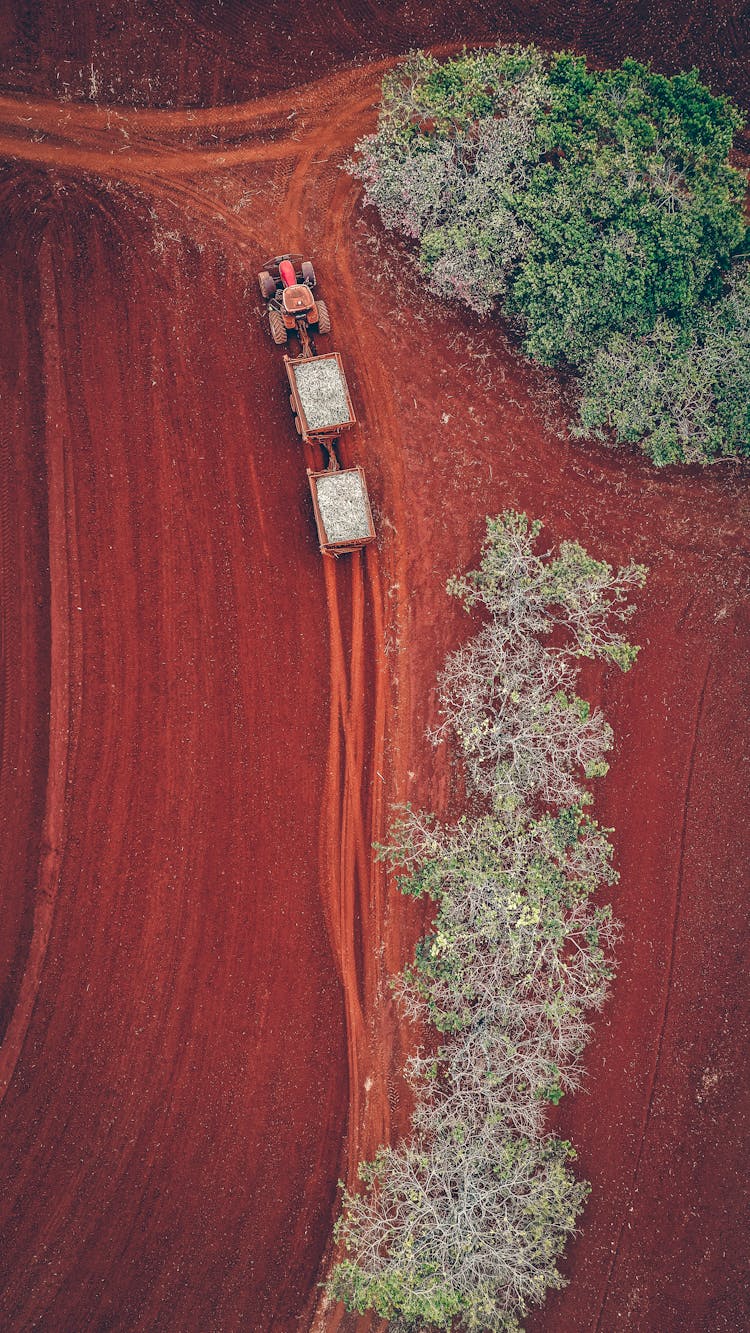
(267, 285)
(278, 327)
(308, 274)
(324, 319)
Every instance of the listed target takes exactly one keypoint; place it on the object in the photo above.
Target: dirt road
(205, 723)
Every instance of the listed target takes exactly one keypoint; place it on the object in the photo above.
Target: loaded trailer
(322, 407)
(342, 509)
(319, 397)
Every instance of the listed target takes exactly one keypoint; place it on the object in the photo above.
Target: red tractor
(286, 284)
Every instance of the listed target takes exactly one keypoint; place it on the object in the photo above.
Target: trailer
(342, 509)
(319, 398)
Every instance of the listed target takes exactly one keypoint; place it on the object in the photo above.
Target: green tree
(591, 206)
(684, 393)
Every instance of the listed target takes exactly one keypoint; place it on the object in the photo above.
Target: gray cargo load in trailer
(320, 397)
(342, 509)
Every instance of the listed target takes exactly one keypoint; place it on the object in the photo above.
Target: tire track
(383, 432)
(147, 145)
(340, 833)
(122, 146)
(65, 682)
(370, 1119)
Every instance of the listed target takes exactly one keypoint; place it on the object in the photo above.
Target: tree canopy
(593, 205)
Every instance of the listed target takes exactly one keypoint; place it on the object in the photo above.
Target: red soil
(204, 722)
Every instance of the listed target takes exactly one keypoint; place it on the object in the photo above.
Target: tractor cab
(297, 300)
(286, 285)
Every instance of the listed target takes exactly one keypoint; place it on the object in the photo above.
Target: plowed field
(204, 722)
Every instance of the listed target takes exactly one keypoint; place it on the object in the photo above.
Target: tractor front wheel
(278, 327)
(308, 274)
(267, 285)
(324, 319)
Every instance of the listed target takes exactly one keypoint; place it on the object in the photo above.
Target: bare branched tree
(518, 958)
(453, 1226)
(528, 593)
(524, 734)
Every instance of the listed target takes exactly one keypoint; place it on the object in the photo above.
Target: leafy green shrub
(685, 393)
(637, 214)
(593, 205)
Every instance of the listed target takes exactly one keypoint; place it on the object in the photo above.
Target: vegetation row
(465, 1220)
(599, 210)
